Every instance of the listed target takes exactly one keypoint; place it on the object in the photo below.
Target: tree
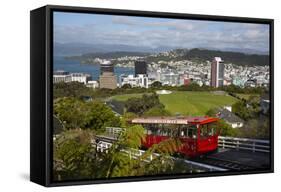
(126, 86)
(232, 89)
(73, 155)
(258, 128)
(126, 117)
(135, 105)
(123, 164)
(191, 87)
(143, 104)
(157, 111)
(100, 116)
(76, 158)
(240, 108)
(156, 84)
(254, 103)
(72, 112)
(71, 89)
(117, 162)
(264, 129)
(211, 112)
(224, 128)
(75, 113)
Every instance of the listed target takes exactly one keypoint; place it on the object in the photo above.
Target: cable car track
(207, 159)
(226, 164)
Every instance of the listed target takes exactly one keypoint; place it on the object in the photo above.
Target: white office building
(170, 78)
(80, 77)
(61, 76)
(141, 80)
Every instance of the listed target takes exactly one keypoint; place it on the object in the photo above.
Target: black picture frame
(41, 69)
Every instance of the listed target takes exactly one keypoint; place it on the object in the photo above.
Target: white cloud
(176, 33)
(124, 20)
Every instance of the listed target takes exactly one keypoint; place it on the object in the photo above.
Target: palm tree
(76, 158)
(125, 159)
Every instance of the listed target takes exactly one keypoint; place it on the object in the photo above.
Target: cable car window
(172, 130)
(151, 129)
(207, 130)
(183, 131)
(213, 128)
(155, 130)
(165, 130)
(192, 132)
(204, 132)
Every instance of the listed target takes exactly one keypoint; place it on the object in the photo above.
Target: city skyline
(158, 32)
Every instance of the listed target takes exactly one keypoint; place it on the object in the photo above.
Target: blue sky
(158, 32)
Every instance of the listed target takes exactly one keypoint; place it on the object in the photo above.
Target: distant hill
(106, 55)
(237, 50)
(86, 53)
(227, 56)
(70, 49)
(247, 51)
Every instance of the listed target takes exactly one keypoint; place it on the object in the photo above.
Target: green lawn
(188, 102)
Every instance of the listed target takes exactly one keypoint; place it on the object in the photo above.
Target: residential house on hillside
(230, 118)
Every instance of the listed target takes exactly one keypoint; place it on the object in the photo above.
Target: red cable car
(199, 135)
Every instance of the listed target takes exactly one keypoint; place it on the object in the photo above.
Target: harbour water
(60, 63)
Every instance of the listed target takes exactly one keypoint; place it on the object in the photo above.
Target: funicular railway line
(236, 154)
(226, 164)
(103, 146)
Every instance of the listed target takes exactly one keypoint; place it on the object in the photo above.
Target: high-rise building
(107, 78)
(140, 67)
(217, 72)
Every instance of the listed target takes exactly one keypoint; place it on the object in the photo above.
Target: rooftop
(106, 63)
(174, 120)
(60, 72)
(218, 59)
(229, 116)
(80, 75)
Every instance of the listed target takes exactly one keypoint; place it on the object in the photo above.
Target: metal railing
(113, 132)
(254, 145)
(103, 146)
